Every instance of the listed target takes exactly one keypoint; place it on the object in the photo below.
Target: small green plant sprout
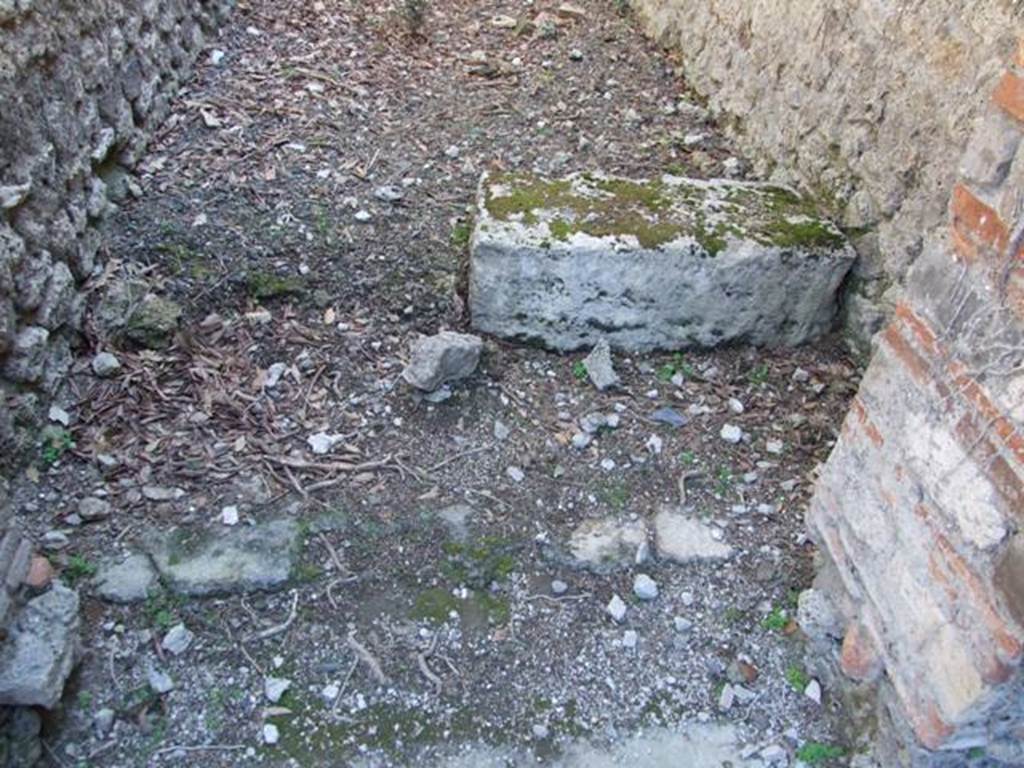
(816, 753)
(688, 458)
(461, 233)
(78, 568)
(724, 481)
(579, 370)
(758, 374)
(56, 442)
(798, 679)
(678, 365)
(776, 621)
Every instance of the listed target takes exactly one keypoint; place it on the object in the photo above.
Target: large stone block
(668, 263)
(41, 650)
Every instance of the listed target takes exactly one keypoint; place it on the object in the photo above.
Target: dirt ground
(247, 213)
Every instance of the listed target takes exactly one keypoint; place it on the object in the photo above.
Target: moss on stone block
(653, 213)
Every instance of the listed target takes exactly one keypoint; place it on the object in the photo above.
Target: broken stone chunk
(683, 539)
(153, 322)
(447, 356)
(668, 263)
(125, 581)
(603, 545)
(599, 367)
(40, 651)
(200, 562)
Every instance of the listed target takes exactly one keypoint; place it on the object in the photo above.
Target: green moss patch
(658, 212)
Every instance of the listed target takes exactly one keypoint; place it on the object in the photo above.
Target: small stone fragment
(91, 508)
(389, 194)
(126, 581)
(774, 447)
(160, 493)
(159, 681)
(40, 573)
(501, 430)
(682, 625)
(559, 587)
(599, 367)
(177, 640)
(654, 445)
(813, 691)
(445, 357)
(645, 587)
(516, 475)
(616, 608)
(683, 539)
(229, 515)
(270, 734)
(59, 416)
(322, 443)
(103, 722)
(629, 639)
(105, 365)
(274, 688)
(670, 416)
(731, 433)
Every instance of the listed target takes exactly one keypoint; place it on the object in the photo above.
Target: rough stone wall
(921, 504)
(865, 104)
(82, 87)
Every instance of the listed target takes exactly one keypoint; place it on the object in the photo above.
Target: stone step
(669, 263)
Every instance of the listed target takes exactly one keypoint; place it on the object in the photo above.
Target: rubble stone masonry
(82, 87)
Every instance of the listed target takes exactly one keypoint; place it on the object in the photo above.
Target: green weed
(78, 568)
(816, 753)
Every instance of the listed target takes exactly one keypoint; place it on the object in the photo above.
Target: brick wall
(921, 504)
(82, 87)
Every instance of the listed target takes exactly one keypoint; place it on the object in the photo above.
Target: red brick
(859, 659)
(977, 595)
(963, 247)
(861, 414)
(974, 219)
(40, 573)
(922, 330)
(929, 727)
(1009, 95)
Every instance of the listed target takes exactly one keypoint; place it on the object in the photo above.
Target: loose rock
(105, 365)
(599, 367)
(177, 640)
(40, 650)
(616, 608)
(448, 356)
(603, 545)
(731, 433)
(275, 687)
(126, 581)
(645, 587)
(91, 508)
(683, 539)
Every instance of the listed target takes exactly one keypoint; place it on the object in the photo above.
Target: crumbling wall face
(865, 104)
(920, 506)
(83, 85)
